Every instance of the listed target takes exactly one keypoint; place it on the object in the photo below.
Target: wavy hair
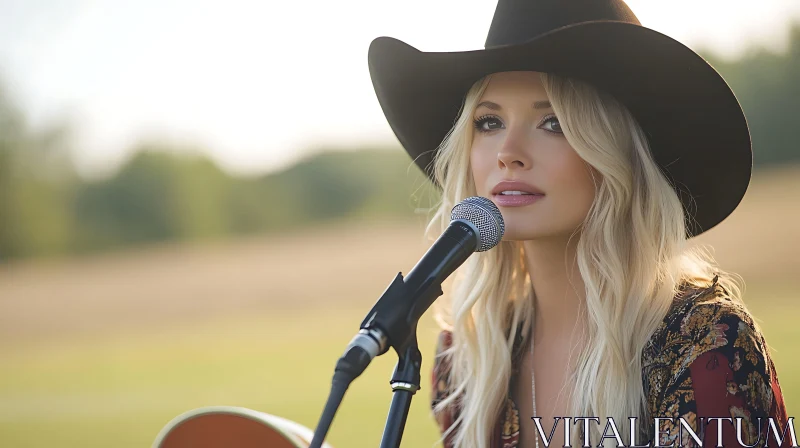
(632, 255)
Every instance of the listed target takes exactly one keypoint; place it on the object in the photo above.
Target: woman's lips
(516, 200)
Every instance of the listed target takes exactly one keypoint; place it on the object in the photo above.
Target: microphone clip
(393, 319)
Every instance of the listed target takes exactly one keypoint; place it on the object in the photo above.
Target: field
(103, 351)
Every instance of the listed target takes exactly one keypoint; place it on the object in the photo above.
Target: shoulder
(708, 348)
(701, 320)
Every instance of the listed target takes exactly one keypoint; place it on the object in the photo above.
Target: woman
(606, 146)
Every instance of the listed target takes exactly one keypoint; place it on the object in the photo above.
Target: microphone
(476, 225)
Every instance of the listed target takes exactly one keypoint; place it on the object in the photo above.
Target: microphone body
(406, 299)
(476, 225)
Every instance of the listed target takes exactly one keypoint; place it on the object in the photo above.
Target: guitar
(229, 426)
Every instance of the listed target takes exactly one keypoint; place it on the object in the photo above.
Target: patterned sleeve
(440, 386)
(725, 371)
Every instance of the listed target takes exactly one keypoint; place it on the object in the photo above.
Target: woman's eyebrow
(494, 106)
(489, 105)
(542, 105)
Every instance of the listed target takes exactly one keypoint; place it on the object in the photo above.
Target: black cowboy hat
(695, 126)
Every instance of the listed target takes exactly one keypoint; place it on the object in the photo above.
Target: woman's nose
(513, 154)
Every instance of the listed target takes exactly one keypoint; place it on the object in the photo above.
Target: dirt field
(93, 295)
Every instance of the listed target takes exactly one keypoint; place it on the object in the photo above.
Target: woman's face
(517, 137)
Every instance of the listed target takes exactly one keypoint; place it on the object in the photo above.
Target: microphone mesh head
(485, 216)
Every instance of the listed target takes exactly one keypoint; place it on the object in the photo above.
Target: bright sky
(260, 82)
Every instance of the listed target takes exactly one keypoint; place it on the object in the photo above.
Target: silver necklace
(533, 389)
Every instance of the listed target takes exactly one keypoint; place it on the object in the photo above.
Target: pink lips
(516, 200)
(532, 194)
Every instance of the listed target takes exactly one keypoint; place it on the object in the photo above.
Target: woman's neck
(557, 285)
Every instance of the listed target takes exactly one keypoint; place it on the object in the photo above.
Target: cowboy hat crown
(517, 21)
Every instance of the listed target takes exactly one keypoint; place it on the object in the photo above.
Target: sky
(258, 84)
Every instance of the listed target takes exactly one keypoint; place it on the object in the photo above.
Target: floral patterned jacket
(706, 359)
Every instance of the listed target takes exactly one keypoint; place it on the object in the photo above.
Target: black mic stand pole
(405, 383)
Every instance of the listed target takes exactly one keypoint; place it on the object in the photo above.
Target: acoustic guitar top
(228, 426)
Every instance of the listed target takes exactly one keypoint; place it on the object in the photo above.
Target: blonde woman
(606, 146)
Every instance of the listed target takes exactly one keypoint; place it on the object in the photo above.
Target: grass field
(121, 392)
(103, 351)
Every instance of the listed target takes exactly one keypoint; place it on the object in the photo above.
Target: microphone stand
(405, 383)
(396, 318)
(392, 322)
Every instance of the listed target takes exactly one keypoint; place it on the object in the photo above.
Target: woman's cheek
(481, 167)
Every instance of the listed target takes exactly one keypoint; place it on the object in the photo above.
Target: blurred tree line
(163, 193)
(768, 87)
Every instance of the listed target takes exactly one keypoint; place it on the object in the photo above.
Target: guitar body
(229, 426)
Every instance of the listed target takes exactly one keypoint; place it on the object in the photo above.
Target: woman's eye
(552, 124)
(487, 124)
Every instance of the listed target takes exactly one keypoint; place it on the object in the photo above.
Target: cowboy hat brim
(695, 126)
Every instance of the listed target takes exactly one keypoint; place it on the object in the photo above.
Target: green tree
(36, 185)
(160, 194)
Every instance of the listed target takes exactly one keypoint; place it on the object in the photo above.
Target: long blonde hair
(632, 255)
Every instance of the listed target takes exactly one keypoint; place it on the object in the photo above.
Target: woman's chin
(528, 232)
(512, 234)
